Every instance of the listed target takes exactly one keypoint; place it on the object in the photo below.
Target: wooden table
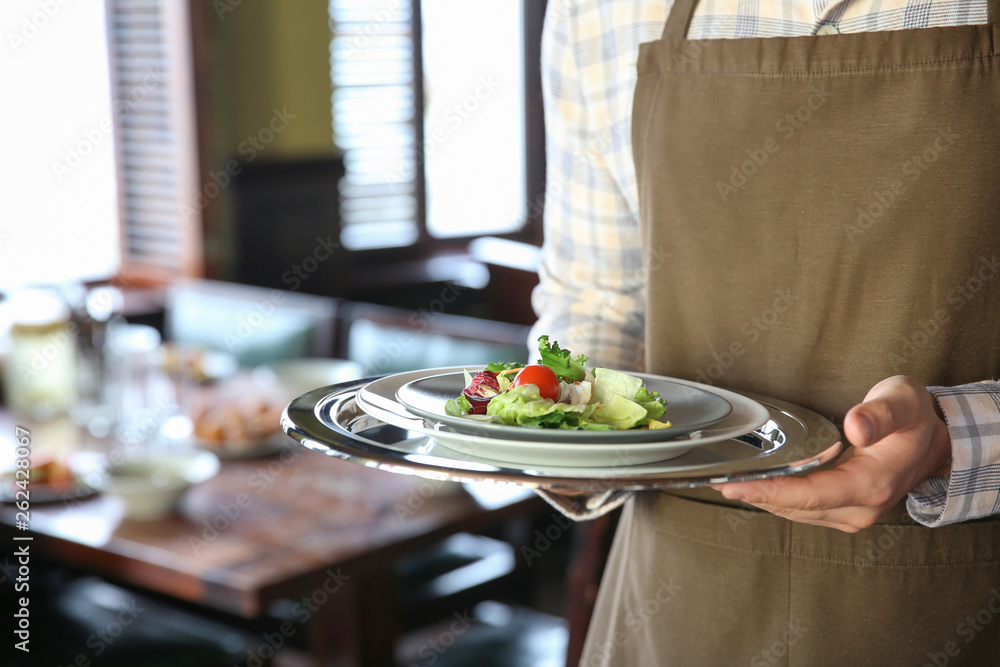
(291, 526)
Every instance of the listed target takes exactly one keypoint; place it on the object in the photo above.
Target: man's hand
(900, 439)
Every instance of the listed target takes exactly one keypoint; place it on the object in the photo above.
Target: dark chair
(82, 619)
(465, 603)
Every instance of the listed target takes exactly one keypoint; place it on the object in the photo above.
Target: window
(428, 111)
(59, 217)
(474, 125)
(443, 154)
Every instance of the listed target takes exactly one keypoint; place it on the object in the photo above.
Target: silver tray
(329, 420)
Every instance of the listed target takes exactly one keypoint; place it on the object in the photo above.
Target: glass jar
(39, 373)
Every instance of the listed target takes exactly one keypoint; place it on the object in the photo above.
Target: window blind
(374, 64)
(152, 86)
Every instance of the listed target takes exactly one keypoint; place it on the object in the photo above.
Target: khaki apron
(830, 206)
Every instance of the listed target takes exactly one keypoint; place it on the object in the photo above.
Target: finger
(847, 519)
(892, 405)
(844, 486)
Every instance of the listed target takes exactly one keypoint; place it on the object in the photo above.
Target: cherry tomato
(540, 376)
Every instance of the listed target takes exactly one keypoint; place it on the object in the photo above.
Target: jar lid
(40, 307)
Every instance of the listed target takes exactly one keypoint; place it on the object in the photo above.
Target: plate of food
(687, 415)
(526, 454)
(49, 478)
(360, 421)
(561, 399)
(244, 428)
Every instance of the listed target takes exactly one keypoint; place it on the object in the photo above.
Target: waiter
(799, 199)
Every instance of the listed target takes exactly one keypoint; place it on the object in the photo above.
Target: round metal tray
(330, 420)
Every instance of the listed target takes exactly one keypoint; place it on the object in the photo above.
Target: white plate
(378, 399)
(689, 409)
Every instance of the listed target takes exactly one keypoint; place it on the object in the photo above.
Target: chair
(385, 339)
(82, 619)
(256, 324)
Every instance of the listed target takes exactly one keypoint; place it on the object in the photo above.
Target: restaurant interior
(219, 206)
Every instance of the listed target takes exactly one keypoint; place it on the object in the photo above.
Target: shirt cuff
(972, 489)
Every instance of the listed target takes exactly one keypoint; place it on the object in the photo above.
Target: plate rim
(405, 419)
(563, 436)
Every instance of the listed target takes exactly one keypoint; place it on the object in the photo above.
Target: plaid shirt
(592, 291)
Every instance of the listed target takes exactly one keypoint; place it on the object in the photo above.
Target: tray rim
(821, 443)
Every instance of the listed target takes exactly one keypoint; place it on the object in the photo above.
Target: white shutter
(374, 59)
(149, 43)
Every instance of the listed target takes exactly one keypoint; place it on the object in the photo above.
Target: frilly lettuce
(522, 406)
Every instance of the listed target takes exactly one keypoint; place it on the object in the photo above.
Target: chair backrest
(391, 340)
(256, 324)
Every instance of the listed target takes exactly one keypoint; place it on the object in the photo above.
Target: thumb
(892, 405)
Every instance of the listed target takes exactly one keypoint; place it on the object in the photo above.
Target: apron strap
(680, 18)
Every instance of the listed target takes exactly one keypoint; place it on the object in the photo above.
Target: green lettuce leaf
(562, 362)
(655, 407)
(615, 409)
(497, 366)
(522, 406)
(618, 382)
(458, 407)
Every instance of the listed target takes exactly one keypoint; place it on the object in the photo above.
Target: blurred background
(210, 207)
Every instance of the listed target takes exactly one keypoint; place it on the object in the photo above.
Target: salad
(559, 391)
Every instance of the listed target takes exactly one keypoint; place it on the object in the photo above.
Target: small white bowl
(151, 484)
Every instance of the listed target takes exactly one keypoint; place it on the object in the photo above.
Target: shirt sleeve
(972, 490)
(590, 296)
(591, 290)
